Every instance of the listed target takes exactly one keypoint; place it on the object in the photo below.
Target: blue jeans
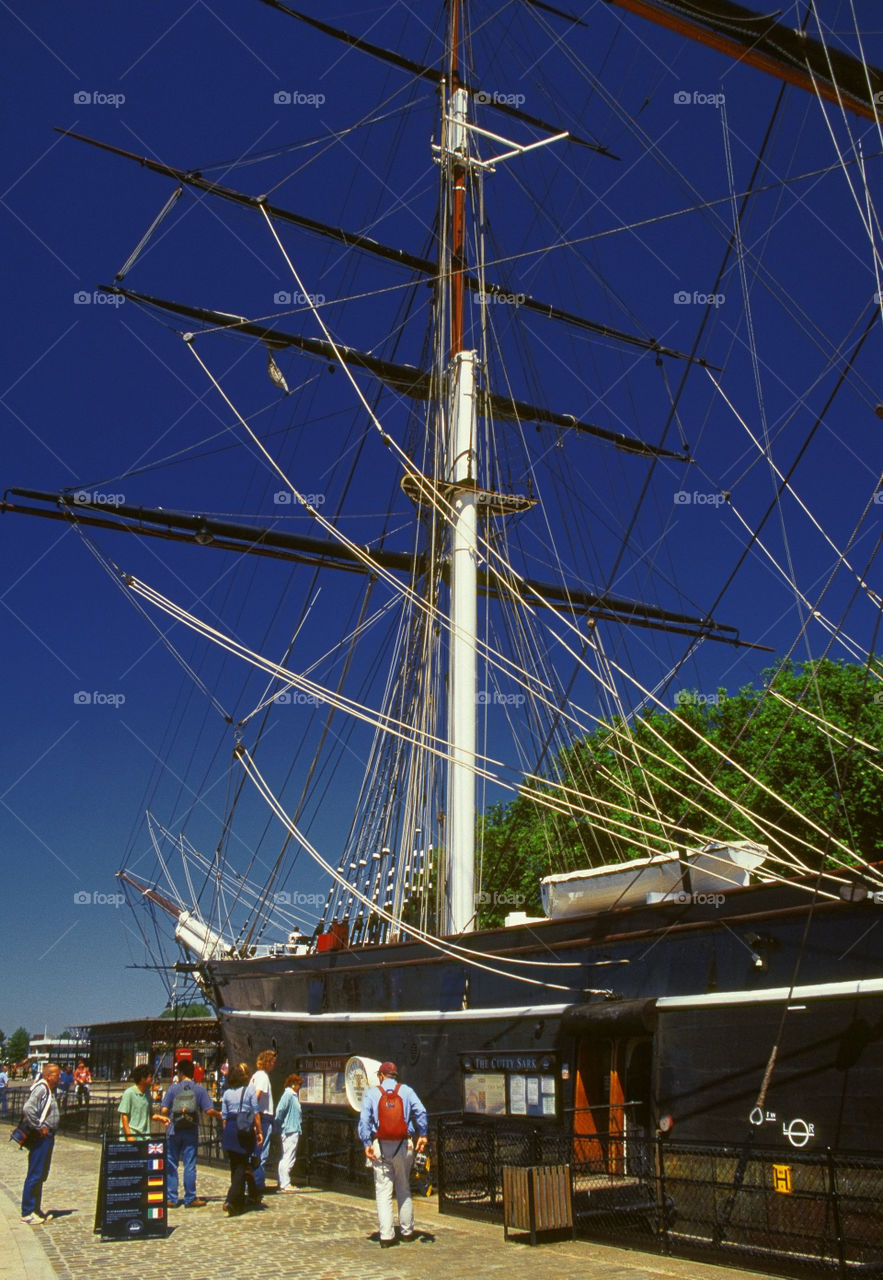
(181, 1150)
(39, 1160)
(264, 1153)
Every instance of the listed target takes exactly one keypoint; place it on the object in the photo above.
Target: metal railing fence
(794, 1212)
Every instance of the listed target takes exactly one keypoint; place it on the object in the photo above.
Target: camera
(420, 1161)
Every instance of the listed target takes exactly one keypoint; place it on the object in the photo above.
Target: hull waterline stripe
(818, 990)
(822, 990)
(404, 1015)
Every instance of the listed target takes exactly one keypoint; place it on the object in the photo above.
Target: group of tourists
(392, 1130)
(250, 1119)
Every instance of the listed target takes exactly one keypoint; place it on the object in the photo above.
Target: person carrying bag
(23, 1134)
(39, 1123)
(391, 1113)
(241, 1135)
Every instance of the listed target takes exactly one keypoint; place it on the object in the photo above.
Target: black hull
(767, 967)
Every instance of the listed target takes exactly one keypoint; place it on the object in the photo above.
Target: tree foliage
(765, 759)
(195, 1010)
(16, 1047)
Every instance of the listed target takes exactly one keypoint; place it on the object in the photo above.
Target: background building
(117, 1047)
(69, 1047)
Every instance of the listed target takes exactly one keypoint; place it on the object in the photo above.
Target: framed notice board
(511, 1084)
(132, 1189)
(323, 1078)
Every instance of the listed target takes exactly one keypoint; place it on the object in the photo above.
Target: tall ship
(536, 361)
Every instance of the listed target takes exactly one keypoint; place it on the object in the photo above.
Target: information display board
(511, 1084)
(132, 1189)
(323, 1079)
(485, 1094)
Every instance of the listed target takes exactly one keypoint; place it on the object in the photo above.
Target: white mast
(462, 479)
(462, 669)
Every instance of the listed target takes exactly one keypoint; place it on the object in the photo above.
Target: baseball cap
(388, 1069)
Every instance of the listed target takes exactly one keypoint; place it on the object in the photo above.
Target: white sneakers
(36, 1219)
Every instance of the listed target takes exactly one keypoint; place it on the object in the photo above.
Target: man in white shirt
(262, 1090)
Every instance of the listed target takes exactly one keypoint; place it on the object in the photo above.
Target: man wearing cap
(392, 1157)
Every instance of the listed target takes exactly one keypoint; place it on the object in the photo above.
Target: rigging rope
(148, 234)
(445, 947)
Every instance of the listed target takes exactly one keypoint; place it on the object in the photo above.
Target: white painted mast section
(462, 677)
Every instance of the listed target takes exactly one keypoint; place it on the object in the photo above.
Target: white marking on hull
(819, 990)
(405, 1015)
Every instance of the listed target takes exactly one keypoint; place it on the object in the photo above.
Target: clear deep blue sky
(95, 709)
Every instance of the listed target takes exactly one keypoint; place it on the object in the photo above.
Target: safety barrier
(796, 1212)
(806, 1212)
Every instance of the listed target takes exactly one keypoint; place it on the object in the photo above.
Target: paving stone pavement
(319, 1234)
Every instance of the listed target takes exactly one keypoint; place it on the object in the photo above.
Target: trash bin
(537, 1198)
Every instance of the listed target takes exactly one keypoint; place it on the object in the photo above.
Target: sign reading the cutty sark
(527, 1061)
(132, 1189)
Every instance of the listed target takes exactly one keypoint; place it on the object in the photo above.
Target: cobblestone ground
(317, 1234)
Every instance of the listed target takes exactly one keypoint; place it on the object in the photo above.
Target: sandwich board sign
(132, 1189)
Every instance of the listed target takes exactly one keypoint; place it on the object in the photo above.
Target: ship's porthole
(414, 1052)
(309, 1046)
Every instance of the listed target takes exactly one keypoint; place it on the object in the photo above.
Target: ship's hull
(677, 1004)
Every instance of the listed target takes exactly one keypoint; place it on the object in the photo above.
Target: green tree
(804, 746)
(17, 1045)
(195, 1010)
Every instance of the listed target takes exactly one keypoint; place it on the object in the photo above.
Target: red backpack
(391, 1125)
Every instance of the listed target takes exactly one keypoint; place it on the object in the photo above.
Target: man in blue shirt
(392, 1156)
(183, 1136)
(65, 1084)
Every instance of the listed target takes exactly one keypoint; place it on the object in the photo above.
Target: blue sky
(102, 722)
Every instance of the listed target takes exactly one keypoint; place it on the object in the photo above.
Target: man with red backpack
(391, 1114)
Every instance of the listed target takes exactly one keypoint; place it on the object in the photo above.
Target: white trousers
(286, 1164)
(392, 1174)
